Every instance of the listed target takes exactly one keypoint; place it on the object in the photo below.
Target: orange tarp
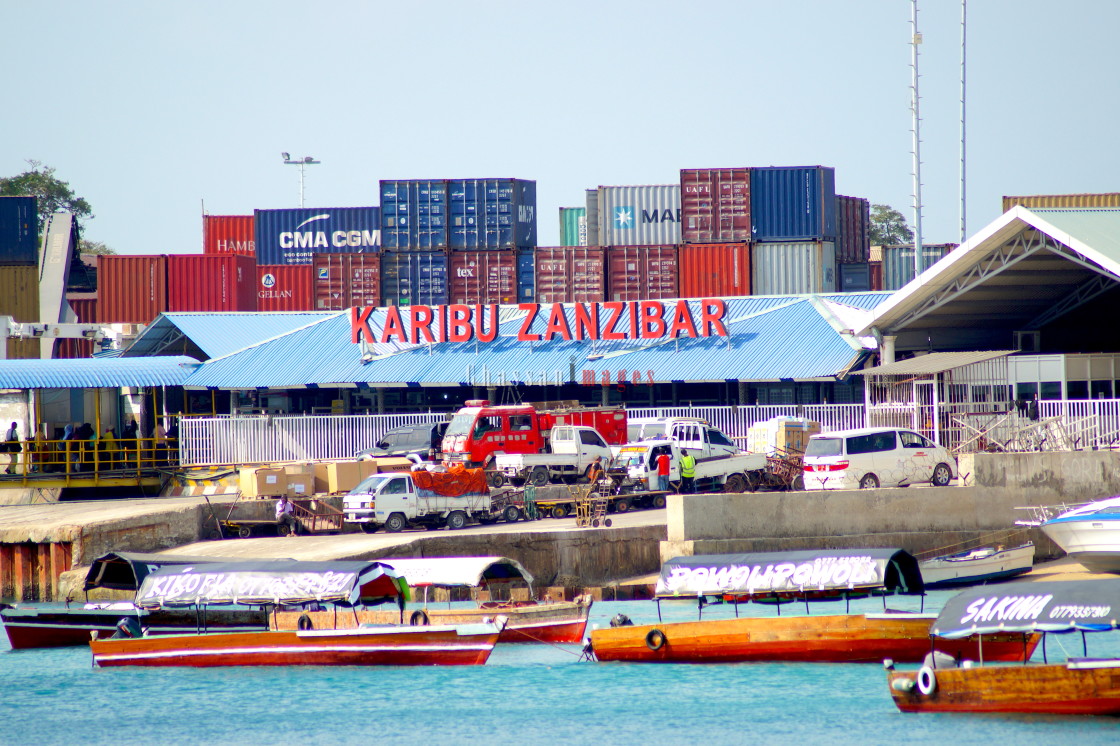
(457, 481)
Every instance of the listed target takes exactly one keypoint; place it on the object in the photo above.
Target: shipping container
(713, 270)
(715, 205)
(19, 298)
(647, 215)
(1063, 201)
(793, 268)
(284, 287)
(898, 262)
(526, 276)
(346, 280)
(571, 274)
(19, 231)
(211, 282)
(414, 215)
(573, 226)
(853, 223)
(875, 275)
(854, 278)
(491, 214)
(131, 289)
(795, 203)
(292, 236)
(84, 306)
(484, 277)
(228, 234)
(414, 278)
(642, 272)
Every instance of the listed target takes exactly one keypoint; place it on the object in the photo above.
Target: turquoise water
(525, 694)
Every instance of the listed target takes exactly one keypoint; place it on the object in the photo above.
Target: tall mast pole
(915, 40)
(964, 204)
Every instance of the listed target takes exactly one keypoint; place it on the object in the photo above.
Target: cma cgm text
(337, 239)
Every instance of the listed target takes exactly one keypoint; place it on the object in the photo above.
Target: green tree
(888, 227)
(94, 247)
(53, 193)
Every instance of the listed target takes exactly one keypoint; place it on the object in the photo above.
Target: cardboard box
(321, 478)
(260, 481)
(343, 476)
(300, 479)
(390, 464)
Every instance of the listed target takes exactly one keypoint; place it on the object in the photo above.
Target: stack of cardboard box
(313, 478)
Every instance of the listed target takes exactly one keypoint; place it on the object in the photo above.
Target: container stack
(571, 274)
(794, 227)
(19, 270)
(714, 258)
(573, 226)
(211, 282)
(898, 262)
(228, 234)
(341, 281)
(457, 241)
(853, 244)
(131, 288)
(285, 287)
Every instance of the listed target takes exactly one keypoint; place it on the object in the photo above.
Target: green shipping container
(573, 226)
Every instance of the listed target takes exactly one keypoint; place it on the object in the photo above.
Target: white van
(873, 457)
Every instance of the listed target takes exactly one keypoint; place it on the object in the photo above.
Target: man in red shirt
(663, 472)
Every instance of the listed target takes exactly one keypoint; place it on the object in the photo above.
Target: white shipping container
(648, 215)
(793, 268)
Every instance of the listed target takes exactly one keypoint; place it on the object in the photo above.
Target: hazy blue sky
(147, 109)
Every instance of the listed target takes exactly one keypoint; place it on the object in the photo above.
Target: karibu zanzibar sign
(611, 320)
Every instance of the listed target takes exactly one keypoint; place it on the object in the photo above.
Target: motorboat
(527, 620)
(1089, 534)
(271, 584)
(811, 578)
(976, 566)
(61, 624)
(1077, 686)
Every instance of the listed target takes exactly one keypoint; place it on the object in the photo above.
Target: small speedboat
(977, 566)
(1090, 534)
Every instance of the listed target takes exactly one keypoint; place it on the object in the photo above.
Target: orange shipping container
(714, 270)
(571, 274)
(341, 281)
(284, 287)
(132, 289)
(84, 306)
(228, 234)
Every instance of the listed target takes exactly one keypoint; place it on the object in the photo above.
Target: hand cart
(591, 510)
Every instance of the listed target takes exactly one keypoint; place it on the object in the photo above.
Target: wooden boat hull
(46, 626)
(374, 646)
(1074, 688)
(843, 638)
(557, 622)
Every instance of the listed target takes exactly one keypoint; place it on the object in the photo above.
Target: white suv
(874, 457)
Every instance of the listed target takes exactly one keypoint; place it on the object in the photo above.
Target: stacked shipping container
(228, 234)
(793, 221)
(898, 262)
(292, 236)
(642, 272)
(573, 226)
(84, 306)
(647, 215)
(211, 282)
(711, 270)
(284, 287)
(341, 281)
(570, 274)
(19, 298)
(19, 231)
(132, 289)
(715, 205)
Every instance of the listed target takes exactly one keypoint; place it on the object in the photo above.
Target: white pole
(916, 39)
(964, 16)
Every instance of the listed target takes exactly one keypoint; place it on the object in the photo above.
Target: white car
(875, 457)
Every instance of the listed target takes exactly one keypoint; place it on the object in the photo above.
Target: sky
(155, 112)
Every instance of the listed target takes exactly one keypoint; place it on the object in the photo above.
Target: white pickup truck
(692, 433)
(635, 468)
(571, 449)
(396, 502)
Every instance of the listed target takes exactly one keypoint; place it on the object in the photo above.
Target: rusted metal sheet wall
(571, 274)
(714, 269)
(132, 289)
(30, 571)
(1055, 201)
(284, 287)
(211, 282)
(793, 268)
(642, 272)
(484, 277)
(853, 220)
(715, 205)
(228, 234)
(342, 281)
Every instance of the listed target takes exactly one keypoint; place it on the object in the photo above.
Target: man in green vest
(688, 472)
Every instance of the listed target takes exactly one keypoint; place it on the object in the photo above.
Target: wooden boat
(278, 583)
(528, 621)
(975, 566)
(1079, 686)
(783, 578)
(46, 625)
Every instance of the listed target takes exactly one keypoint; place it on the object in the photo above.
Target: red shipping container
(714, 270)
(853, 224)
(875, 269)
(228, 234)
(341, 281)
(131, 289)
(483, 276)
(642, 272)
(571, 274)
(211, 282)
(84, 306)
(715, 205)
(284, 287)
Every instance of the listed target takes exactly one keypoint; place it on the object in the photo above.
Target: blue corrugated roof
(771, 338)
(219, 334)
(89, 373)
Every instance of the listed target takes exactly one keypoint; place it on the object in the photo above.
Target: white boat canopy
(458, 571)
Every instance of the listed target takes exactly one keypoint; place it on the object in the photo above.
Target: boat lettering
(1005, 608)
(1080, 612)
(818, 573)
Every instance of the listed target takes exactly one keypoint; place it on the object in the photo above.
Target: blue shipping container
(414, 215)
(414, 278)
(795, 203)
(526, 277)
(492, 213)
(292, 236)
(19, 231)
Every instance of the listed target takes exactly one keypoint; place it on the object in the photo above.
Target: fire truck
(479, 431)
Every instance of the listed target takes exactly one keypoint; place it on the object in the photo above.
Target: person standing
(285, 517)
(12, 448)
(688, 472)
(663, 462)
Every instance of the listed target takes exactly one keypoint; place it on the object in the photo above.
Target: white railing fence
(213, 441)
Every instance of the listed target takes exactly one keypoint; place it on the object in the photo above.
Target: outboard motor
(127, 626)
(621, 620)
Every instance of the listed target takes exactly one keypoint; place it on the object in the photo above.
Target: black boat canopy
(459, 571)
(124, 571)
(1054, 606)
(800, 572)
(271, 582)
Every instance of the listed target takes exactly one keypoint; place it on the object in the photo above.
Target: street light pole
(302, 163)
